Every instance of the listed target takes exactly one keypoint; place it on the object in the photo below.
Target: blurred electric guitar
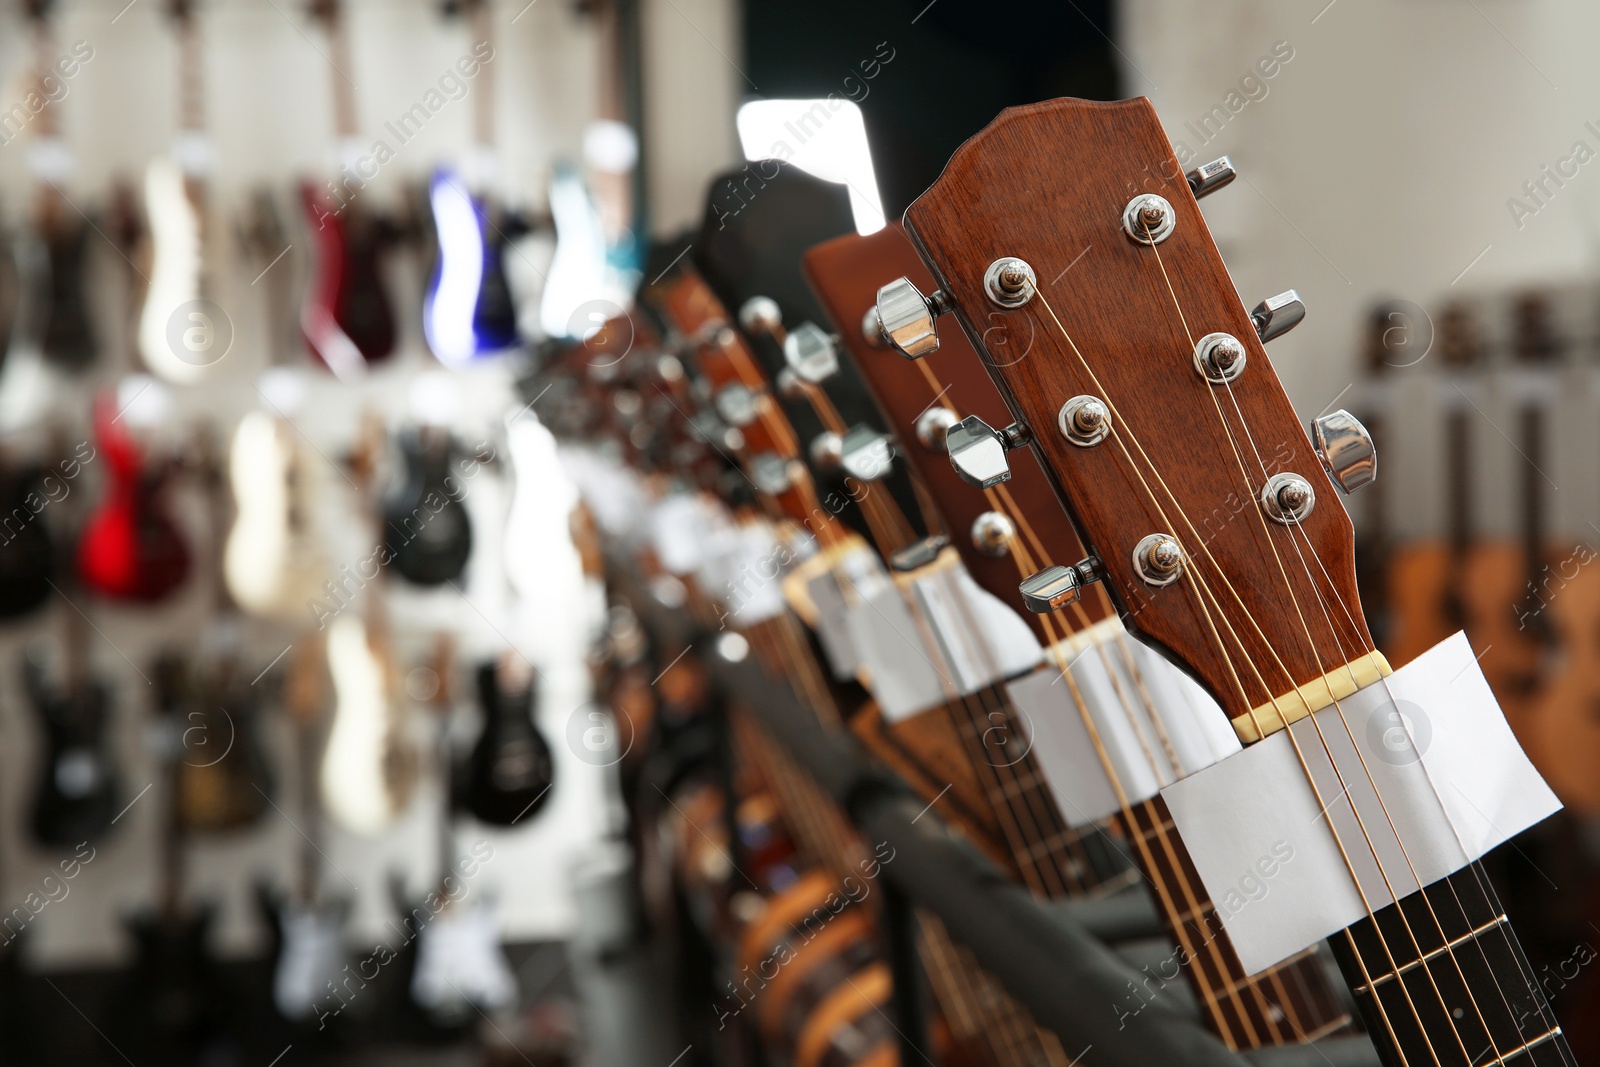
(51, 253)
(510, 771)
(347, 318)
(181, 337)
(468, 312)
(370, 765)
(274, 563)
(310, 923)
(425, 520)
(172, 1004)
(77, 792)
(1146, 394)
(222, 776)
(131, 548)
(461, 968)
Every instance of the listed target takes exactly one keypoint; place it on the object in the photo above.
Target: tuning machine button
(1345, 448)
(978, 450)
(872, 328)
(907, 317)
(866, 453)
(933, 426)
(811, 353)
(761, 314)
(1277, 315)
(1209, 177)
(1056, 587)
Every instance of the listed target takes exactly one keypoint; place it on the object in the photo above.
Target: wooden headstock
(1265, 615)
(846, 274)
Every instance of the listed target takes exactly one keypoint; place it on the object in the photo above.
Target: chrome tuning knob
(1277, 315)
(1209, 177)
(866, 453)
(810, 352)
(1345, 448)
(761, 314)
(906, 317)
(978, 450)
(1056, 587)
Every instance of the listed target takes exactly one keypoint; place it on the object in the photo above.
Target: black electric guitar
(510, 771)
(172, 1006)
(27, 557)
(1147, 396)
(53, 321)
(77, 794)
(425, 521)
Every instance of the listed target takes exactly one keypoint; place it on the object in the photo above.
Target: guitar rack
(1053, 959)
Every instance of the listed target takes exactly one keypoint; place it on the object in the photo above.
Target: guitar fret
(1526, 1046)
(1332, 1026)
(1470, 935)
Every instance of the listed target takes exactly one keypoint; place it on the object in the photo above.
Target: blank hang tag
(1430, 740)
(1148, 743)
(678, 533)
(860, 570)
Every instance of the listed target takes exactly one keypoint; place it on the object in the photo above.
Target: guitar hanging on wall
(468, 312)
(1145, 392)
(183, 335)
(347, 319)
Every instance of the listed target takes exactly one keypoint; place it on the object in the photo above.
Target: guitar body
(76, 797)
(1494, 582)
(50, 269)
(468, 312)
(1422, 579)
(27, 558)
(425, 523)
(272, 564)
(368, 770)
(347, 318)
(510, 770)
(309, 958)
(131, 548)
(173, 1004)
(223, 778)
(173, 342)
(461, 968)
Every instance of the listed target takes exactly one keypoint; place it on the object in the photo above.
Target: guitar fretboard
(1441, 980)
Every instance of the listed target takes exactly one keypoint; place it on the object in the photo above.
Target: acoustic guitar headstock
(922, 400)
(1068, 243)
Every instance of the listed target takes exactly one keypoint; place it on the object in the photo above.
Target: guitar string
(1300, 612)
(1202, 590)
(1334, 631)
(1026, 565)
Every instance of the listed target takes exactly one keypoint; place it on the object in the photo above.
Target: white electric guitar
(274, 563)
(182, 336)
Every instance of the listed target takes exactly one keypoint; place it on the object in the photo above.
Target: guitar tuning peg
(1056, 587)
(866, 453)
(761, 314)
(906, 317)
(1277, 315)
(811, 353)
(1209, 177)
(1345, 448)
(978, 450)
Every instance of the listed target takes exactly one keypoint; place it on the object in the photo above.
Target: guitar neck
(1441, 979)
(1288, 1003)
(1531, 430)
(1458, 474)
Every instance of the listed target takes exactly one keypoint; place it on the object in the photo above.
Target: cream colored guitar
(370, 767)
